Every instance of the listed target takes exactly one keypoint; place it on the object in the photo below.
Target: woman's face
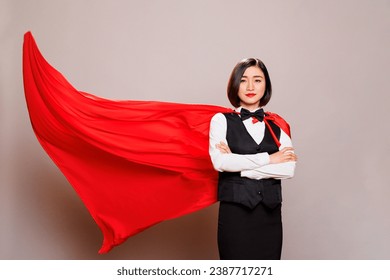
(252, 88)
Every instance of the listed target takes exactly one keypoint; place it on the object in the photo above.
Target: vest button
(258, 149)
(259, 193)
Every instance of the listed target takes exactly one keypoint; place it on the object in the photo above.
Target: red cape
(133, 163)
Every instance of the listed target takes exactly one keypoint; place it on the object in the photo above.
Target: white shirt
(253, 166)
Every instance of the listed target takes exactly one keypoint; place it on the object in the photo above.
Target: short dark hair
(235, 80)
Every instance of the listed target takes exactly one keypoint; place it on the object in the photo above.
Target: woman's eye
(242, 81)
(258, 81)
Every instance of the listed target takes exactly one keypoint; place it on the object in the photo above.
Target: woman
(252, 154)
(152, 155)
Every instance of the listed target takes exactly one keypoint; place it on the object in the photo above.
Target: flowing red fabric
(133, 163)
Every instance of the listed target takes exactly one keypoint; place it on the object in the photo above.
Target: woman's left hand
(223, 148)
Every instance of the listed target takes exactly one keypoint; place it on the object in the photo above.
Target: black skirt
(249, 234)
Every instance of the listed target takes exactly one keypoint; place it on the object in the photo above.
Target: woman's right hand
(284, 155)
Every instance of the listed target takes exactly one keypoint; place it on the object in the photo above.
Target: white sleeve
(230, 162)
(284, 170)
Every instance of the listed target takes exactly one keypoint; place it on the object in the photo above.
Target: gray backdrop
(328, 62)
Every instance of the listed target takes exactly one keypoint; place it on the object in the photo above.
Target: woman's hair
(235, 80)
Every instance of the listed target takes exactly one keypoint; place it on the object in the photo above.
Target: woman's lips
(250, 94)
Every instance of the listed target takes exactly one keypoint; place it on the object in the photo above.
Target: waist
(235, 177)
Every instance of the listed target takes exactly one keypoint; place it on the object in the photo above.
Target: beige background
(329, 63)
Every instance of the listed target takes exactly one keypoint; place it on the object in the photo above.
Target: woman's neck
(251, 108)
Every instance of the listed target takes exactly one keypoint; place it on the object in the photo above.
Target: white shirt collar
(238, 109)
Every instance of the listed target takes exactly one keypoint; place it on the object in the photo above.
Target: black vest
(249, 192)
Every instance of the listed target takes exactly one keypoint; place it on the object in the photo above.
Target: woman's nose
(249, 85)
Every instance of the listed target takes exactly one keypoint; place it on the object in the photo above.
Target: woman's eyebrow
(253, 76)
